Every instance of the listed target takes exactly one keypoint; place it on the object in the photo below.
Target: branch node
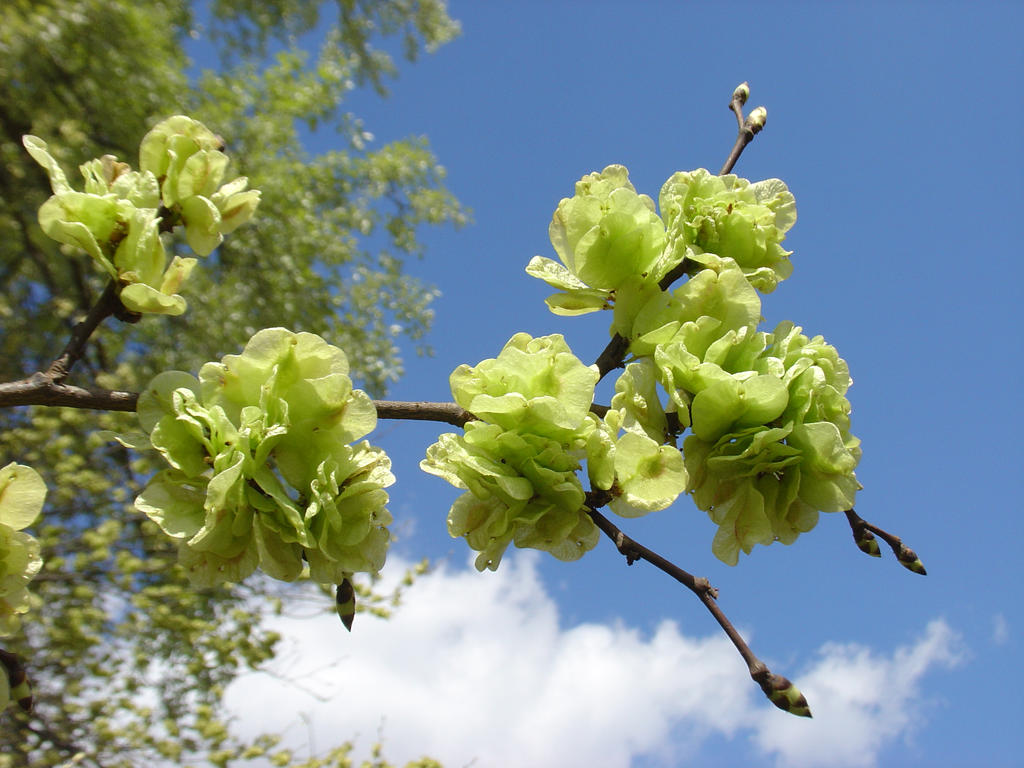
(704, 586)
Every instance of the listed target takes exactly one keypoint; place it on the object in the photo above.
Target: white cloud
(1000, 629)
(476, 668)
(862, 701)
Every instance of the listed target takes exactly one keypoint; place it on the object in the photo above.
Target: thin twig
(108, 304)
(864, 536)
(633, 550)
(748, 131)
(748, 127)
(777, 688)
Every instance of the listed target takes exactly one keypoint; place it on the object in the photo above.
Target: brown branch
(48, 388)
(864, 536)
(780, 691)
(108, 304)
(612, 356)
(38, 389)
(449, 413)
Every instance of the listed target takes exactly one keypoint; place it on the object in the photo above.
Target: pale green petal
(153, 151)
(580, 302)
(554, 274)
(81, 220)
(142, 190)
(600, 449)
(202, 174)
(742, 523)
(174, 502)
(144, 299)
(237, 209)
(208, 569)
(155, 400)
(22, 493)
(636, 395)
(40, 153)
(650, 476)
(202, 224)
(716, 408)
(278, 559)
(176, 273)
(140, 256)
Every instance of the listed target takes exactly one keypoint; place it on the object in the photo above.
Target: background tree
(115, 617)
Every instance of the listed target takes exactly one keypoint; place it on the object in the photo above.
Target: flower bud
(782, 693)
(345, 603)
(19, 689)
(742, 93)
(756, 119)
(867, 543)
(908, 559)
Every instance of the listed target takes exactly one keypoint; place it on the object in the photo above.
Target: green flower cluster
(770, 445)
(605, 235)
(519, 462)
(262, 472)
(118, 217)
(728, 217)
(610, 240)
(22, 493)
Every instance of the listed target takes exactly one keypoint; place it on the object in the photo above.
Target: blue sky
(897, 126)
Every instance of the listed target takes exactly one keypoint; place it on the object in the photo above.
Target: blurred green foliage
(128, 663)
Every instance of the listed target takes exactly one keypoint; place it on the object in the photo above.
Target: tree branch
(780, 691)
(39, 389)
(449, 413)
